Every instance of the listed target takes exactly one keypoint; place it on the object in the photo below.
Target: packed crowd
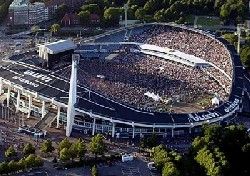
(217, 75)
(131, 77)
(190, 42)
(128, 76)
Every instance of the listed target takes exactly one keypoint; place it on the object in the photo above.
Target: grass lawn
(203, 21)
(189, 19)
(208, 21)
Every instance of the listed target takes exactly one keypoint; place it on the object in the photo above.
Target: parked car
(151, 166)
(127, 157)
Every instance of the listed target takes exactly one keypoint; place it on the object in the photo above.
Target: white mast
(72, 94)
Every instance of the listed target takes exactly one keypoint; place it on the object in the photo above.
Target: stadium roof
(50, 85)
(59, 46)
(176, 55)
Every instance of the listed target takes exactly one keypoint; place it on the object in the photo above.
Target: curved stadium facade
(96, 111)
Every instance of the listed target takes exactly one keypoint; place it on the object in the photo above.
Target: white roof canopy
(174, 55)
(58, 47)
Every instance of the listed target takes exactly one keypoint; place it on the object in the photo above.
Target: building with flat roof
(55, 52)
(22, 12)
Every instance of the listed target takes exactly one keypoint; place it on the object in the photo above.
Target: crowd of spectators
(190, 42)
(128, 76)
(187, 41)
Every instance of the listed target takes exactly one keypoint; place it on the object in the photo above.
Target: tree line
(229, 11)
(219, 151)
(245, 47)
(67, 152)
(13, 164)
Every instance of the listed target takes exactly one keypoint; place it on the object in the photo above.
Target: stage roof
(59, 46)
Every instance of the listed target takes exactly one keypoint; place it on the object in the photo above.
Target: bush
(245, 56)
(4, 168)
(29, 149)
(14, 166)
(10, 152)
(94, 171)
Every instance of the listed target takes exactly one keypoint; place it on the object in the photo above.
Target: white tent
(215, 101)
(153, 96)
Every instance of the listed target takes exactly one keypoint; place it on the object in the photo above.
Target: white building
(22, 12)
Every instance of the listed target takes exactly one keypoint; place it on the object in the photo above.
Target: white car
(151, 166)
(127, 157)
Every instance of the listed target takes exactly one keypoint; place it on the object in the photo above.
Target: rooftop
(19, 3)
(59, 46)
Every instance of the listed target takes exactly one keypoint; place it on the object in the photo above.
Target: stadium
(159, 78)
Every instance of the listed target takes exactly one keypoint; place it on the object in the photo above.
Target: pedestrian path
(131, 171)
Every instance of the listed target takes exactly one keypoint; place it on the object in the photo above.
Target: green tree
(97, 145)
(149, 142)
(61, 11)
(47, 146)
(112, 15)
(170, 169)
(94, 171)
(13, 166)
(55, 28)
(21, 164)
(38, 162)
(81, 148)
(140, 3)
(152, 6)
(159, 16)
(4, 168)
(64, 144)
(29, 149)
(131, 11)
(245, 56)
(234, 10)
(65, 155)
(10, 152)
(140, 14)
(231, 38)
(91, 8)
(214, 163)
(30, 161)
(84, 17)
(73, 151)
(219, 150)
(225, 12)
(160, 156)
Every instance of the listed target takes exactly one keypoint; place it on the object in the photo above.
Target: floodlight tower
(126, 14)
(72, 94)
(239, 35)
(240, 27)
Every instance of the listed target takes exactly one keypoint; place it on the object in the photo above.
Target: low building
(53, 53)
(53, 5)
(94, 18)
(22, 12)
(70, 19)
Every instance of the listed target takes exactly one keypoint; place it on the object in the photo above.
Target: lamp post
(126, 14)
(239, 35)
(240, 27)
